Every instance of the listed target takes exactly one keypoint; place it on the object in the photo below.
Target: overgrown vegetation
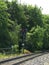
(23, 24)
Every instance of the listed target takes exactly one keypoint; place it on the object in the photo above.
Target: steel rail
(22, 59)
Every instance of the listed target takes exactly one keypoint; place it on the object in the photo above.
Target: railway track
(21, 59)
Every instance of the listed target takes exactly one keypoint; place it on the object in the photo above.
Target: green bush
(15, 49)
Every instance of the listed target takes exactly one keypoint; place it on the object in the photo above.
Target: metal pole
(23, 48)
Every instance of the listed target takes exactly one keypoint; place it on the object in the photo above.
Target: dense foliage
(22, 24)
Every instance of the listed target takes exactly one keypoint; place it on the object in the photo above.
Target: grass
(4, 56)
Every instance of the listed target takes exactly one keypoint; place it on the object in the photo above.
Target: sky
(44, 4)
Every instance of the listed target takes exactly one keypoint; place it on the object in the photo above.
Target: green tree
(33, 15)
(46, 33)
(4, 32)
(35, 38)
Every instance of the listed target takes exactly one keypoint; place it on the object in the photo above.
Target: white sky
(40, 3)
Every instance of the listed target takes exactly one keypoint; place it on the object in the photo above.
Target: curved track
(21, 59)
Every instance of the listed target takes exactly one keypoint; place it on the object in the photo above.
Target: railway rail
(21, 59)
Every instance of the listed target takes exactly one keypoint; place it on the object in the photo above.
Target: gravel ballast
(41, 60)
